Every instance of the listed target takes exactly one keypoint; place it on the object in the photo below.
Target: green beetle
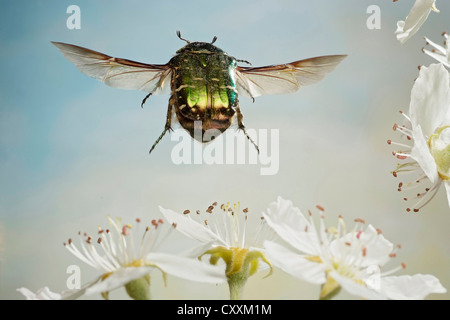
(205, 81)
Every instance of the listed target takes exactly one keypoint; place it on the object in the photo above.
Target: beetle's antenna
(245, 61)
(179, 36)
(214, 40)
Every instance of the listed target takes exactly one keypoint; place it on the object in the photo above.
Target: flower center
(439, 143)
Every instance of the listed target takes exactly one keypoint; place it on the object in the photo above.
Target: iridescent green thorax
(203, 87)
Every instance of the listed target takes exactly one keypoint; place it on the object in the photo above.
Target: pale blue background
(73, 150)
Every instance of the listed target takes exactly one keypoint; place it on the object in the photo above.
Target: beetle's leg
(167, 127)
(242, 127)
(145, 99)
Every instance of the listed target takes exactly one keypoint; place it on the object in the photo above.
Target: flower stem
(236, 284)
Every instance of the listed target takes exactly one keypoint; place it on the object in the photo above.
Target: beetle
(205, 82)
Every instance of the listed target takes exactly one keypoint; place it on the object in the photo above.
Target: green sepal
(329, 289)
(139, 289)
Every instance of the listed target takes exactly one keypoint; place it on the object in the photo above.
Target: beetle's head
(199, 47)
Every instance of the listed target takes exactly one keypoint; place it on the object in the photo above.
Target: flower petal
(41, 294)
(430, 99)
(290, 224)
(447, 188)
(410, 287)
(420, 152)
(295, 264)
(356, 288)
(365, 248)
(187, 268)
(118, 279)
(46, 294)
(416, 17)
(191, 228)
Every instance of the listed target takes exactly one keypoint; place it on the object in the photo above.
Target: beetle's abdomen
(203, 86)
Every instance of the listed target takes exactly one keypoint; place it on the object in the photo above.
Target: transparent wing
(284, 78)
(117, 72)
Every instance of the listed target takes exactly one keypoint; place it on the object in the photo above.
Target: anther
(403, 265)
(186, 211)
(99, 240)
(125, 231)
(320, 208)
(358, 235)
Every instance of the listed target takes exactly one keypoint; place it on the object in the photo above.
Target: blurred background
(73, 150)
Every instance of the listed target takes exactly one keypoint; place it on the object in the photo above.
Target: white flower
(338, 259)
(41, 294)
(223, 236)
(125, 257)
(46, 294)
(429, 128)
(440, 53)
(416, 17)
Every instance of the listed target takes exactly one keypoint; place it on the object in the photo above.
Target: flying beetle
(205, 82)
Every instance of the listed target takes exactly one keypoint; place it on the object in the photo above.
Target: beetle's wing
(284, 78)
(117, 72)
